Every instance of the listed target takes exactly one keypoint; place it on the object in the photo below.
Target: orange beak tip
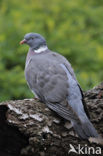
(22, 42)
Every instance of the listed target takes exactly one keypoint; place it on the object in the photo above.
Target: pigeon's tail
(85, 129)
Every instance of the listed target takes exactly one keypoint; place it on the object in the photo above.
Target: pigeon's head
(34, 40)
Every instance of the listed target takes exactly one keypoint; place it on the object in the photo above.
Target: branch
(28, 127)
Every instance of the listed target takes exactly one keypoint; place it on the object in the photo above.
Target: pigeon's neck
(41, 49)
(32, 52)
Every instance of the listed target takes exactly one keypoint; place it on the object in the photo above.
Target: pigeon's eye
(32, 38)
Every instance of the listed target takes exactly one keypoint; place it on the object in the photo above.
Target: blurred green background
(73, 28)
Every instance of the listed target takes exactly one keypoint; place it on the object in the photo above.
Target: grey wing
(75, 97)
(70, 71)
(63, 95)
(75, 87)
(54, 89)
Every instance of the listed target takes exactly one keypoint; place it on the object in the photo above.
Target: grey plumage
(51, 77)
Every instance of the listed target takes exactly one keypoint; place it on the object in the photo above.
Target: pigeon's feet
(37, 99)
(68, 125)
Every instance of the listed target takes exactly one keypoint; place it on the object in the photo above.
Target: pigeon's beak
(23, 41)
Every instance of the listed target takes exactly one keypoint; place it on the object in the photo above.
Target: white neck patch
(41, 49)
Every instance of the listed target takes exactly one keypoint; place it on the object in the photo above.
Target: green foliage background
(73, 28)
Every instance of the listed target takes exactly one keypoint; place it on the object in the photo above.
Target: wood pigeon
(51, 78)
